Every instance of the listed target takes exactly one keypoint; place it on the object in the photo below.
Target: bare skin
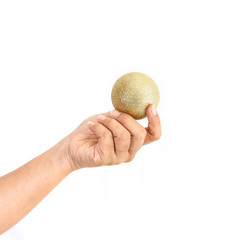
(107, 139)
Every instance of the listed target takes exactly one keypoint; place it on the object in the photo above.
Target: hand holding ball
(133, 93)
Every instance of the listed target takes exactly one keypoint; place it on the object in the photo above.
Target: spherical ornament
(133, 93)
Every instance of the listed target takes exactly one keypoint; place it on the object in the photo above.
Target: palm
(109, 139)
(85, 148)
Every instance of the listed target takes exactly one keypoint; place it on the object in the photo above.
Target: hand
(110, 138)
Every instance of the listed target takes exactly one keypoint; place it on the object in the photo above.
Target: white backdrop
(58, 63)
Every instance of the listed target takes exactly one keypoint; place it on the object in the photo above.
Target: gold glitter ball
(133, 93)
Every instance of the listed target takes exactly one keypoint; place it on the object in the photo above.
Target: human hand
(110, 138)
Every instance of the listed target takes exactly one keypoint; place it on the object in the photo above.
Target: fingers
(105, 142)
(154, 125)
(121, 136)
(137, 131)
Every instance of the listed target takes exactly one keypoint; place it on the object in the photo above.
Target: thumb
(154, 125)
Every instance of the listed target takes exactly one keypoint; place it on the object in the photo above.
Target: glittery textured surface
(133, 93)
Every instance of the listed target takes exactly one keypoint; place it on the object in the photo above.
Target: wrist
(60, 158)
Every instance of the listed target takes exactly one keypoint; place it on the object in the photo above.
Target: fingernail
(115, 113)
(90, 123)
(101, 117)
(154, 111)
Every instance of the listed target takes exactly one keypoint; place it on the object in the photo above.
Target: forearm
(22, 189)
(111, 138)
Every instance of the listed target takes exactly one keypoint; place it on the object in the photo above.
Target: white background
(58, 62)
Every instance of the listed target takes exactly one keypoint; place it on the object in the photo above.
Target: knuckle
(113, 161)
(117, 162)
(124, 117)
(124, 158)
(109, 121)
(157, 136)
(142, 134)
(107, 135)
(124, 136)
(129, 159)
